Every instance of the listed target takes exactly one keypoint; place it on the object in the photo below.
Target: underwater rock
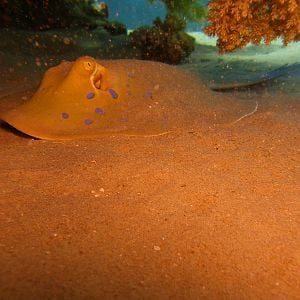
(45, 15)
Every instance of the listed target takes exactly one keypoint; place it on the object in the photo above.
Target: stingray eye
(89, 66)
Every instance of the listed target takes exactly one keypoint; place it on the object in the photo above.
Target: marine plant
(239, 22)
(166, 40)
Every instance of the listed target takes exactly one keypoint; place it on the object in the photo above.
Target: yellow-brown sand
(210, 211)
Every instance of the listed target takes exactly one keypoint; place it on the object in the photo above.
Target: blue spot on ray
(113, 93)
(99, 111)
(88, 121)
(90, 95)
(65, 115)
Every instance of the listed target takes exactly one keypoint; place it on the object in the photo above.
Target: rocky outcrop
(54, 14)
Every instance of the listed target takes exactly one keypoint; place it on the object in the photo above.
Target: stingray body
(88, 98)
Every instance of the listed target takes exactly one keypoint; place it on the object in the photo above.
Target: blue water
(136, 13)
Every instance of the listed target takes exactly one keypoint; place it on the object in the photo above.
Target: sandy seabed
(210, 210)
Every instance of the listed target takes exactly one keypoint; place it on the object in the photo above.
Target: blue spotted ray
(84, 99)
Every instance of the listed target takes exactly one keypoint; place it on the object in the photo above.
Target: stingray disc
(84, 99)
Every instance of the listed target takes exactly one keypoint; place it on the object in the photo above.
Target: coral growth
(165, 41)
(239, 22)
